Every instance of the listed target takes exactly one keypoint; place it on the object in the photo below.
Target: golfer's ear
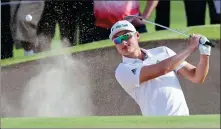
(138, 35)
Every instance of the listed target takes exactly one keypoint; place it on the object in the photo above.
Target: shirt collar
(132, 60)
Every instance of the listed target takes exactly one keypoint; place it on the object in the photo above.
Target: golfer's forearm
(165, 66)
(151, 5)
(202, 69)
(173, 62)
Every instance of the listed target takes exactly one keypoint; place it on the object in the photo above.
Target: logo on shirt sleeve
(134, 71)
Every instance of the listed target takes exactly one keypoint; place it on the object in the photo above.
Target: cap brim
(115, 32)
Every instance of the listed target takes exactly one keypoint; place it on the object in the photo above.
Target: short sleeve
(128, 76)
(172, 53)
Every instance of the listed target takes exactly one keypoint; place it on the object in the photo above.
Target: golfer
(149, 76)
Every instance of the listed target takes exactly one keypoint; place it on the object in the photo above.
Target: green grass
(195, 121)
(211, 31)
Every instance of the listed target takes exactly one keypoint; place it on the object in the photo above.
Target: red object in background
(109, 12)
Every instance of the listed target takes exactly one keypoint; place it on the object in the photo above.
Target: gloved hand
(204, 49)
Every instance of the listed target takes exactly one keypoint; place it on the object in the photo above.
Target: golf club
(202, 39)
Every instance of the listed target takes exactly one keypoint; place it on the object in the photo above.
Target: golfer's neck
(138, 54)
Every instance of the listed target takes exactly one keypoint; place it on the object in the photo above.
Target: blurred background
(29, 27)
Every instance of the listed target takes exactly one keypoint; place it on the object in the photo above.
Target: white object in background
(28, 17)
(28, 53)
(217, 6)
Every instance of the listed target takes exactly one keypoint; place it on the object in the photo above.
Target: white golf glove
(204, 49)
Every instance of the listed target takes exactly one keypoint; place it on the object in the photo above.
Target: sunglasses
(124, 37)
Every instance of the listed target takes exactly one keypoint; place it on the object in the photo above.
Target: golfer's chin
(128, 52)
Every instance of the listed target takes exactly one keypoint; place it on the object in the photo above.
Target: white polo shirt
(161, 96)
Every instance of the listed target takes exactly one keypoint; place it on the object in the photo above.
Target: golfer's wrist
(204, 57)
(190, 49)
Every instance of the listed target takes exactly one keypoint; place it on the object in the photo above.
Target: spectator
(24, 32)
(6, 36)
(86, 21)
(163, 14)
(196, 12)
(109, 12)
(213, 12)
(68, 14)
(217, 7)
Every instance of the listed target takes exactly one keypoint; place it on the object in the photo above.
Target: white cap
(120, 26)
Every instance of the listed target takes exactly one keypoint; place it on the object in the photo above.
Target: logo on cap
(119, 26)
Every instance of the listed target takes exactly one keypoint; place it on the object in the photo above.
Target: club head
(132, 17)
(129, 17)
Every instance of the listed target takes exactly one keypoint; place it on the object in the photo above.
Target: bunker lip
(210, 31)
(105, 90)
(142, 43)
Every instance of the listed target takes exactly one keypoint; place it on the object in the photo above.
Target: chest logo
(134, 71)
(157, 61)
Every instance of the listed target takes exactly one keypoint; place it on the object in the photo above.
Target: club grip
(205, 41)
(209, 43)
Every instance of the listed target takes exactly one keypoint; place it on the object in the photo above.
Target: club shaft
(186, 35)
